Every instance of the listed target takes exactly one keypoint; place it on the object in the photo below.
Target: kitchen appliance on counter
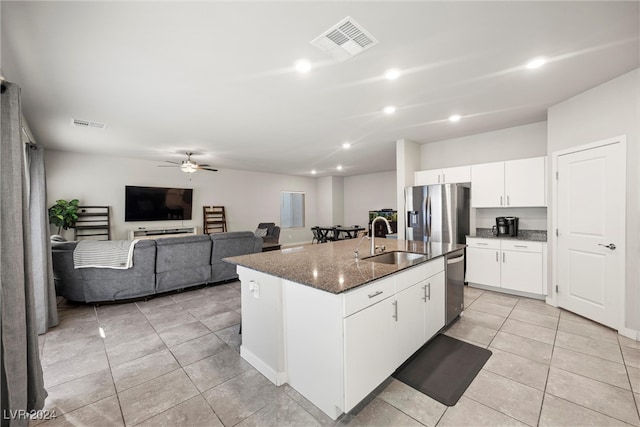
(512, 225)
(454, 277)
(506, 226)
(437, 213)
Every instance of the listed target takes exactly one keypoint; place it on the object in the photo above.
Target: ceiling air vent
(87, 124)
(344, 40)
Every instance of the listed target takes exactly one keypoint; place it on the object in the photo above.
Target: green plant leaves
(64, 214)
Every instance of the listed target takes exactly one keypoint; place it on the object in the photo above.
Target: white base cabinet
(337, 348)
(513, 265)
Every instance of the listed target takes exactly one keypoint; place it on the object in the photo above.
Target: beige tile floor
(174, 361)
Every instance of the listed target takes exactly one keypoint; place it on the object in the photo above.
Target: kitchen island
(335, 327)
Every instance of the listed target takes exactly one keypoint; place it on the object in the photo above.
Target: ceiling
(217, 78)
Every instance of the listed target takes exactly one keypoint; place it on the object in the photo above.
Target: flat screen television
(157, 204)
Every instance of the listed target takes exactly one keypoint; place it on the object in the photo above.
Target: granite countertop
(332, 266)
(530, 235)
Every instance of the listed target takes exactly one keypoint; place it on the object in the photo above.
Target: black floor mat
(443, 368)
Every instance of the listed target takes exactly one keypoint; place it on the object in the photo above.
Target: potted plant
(64, 214)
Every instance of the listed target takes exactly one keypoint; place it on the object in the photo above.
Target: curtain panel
(22, 385)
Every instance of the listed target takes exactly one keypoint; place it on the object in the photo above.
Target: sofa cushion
(182, 262)
(261, 232)
(182, 252)
(227, 245)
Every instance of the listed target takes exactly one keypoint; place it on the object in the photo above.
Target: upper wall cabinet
(514, 183)
(443, 176)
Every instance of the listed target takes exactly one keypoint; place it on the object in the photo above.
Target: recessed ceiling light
(303, 66)
(536, 63)
(339, 167)
(392, 74)
(346, 145)
(313, 172)
(389, 109)
(454, 118)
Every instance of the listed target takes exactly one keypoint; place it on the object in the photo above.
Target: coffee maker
(506, 226)
(501, 228)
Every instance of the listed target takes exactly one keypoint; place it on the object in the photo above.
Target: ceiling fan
(188, 166)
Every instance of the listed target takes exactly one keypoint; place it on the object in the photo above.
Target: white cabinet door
(410, 321)
(487, 185)
(456, 175)
(428, 177)
(370, 352)
(435, 309)
(524, 182)
(483, 266)
(522, 271)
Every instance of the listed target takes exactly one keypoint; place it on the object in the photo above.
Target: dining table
(338, 232)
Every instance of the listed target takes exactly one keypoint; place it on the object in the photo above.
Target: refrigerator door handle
(427, 228)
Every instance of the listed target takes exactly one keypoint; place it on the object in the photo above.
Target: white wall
(528, 218)
(518, 142)
(407, 163)
(363, 193)
(606, 111)
(337, 213)
(248, 197)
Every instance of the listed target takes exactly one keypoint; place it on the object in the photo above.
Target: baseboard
(630, 333)
(507, 291)
(278, 378)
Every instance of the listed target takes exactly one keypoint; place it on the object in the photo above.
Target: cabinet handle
(424, 298)
(508, 202)
(482, 244)
(500, 200)
(438, 178)
(520, 246)
(497, 256)
(429, 294)
(444, 179)
(502, 256)
(395, 306)
(375, 294)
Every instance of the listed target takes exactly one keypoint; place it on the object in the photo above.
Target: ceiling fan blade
(204, 165)
(168, 166)
(175, 163)
(208, 169)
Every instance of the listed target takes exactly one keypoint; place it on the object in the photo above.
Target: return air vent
(87, 124)
(345, 40)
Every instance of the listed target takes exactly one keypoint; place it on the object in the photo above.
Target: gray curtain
(22, 385)
(39, 262)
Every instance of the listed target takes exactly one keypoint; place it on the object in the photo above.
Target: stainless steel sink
(397, 258)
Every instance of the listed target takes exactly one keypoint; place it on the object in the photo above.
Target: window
(291, 209)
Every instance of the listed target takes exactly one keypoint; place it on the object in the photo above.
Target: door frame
(553, 298)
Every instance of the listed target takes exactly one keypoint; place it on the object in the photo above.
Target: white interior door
(591, 239)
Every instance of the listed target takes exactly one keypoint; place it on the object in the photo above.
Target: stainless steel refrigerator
(440, 213)
(437, 213)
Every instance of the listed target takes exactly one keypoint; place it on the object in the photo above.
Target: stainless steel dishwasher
(455, 284)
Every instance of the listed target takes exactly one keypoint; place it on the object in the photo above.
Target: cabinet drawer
(367, 295)
(410, 277)
(483, 243)
(434, 267)
(521, 245)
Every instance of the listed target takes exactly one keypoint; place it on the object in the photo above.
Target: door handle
(395, 316)
(429, 294)
(497, 256)
(424, 298)
(609, 246)
(502, 256)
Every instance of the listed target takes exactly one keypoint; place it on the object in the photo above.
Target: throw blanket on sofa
(104, 254)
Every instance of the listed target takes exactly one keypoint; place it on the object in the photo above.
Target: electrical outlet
(254, 288)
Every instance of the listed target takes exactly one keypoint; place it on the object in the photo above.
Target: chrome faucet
(373, 235)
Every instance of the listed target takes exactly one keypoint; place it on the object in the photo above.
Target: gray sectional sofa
(159, 265)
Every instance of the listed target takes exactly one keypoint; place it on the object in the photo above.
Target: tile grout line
(106, 355)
